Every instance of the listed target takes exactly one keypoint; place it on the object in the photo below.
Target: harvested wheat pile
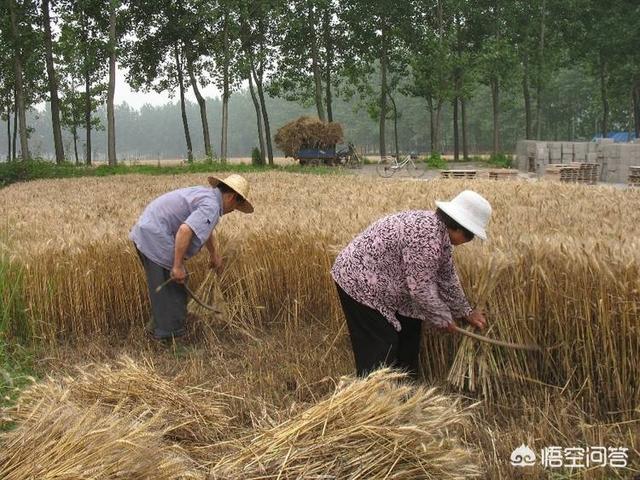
(377, 427)
(64, 441)
(185, 416)
(307, 132)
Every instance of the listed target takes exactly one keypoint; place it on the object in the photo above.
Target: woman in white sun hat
(399, 272)
(173, 228)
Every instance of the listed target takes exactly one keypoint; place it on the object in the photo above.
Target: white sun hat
(238, 184)
(470, 210)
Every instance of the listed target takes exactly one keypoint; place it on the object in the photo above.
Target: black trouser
(169, 305)
(376, 343)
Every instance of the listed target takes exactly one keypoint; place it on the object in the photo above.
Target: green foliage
(16, 372)
(436, 161)
(501, 160)
(256, 157)
(12, 310)
(15, 360)
(21, 171)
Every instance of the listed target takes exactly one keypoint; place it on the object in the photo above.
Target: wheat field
(265, 390)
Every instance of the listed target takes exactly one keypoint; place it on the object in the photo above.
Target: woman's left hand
(476, 318)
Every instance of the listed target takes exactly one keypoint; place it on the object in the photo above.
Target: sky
(138, 99)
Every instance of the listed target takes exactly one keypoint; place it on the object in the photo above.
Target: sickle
(211, 308)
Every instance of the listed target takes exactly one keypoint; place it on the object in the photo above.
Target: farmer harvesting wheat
(173, 228)
(399, 272)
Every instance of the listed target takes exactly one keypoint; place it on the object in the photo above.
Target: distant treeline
(156, 132)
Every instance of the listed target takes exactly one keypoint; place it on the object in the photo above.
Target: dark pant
(376, 343)
(169, 305)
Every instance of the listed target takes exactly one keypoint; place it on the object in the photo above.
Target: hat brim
(454, 213)
(244, 206)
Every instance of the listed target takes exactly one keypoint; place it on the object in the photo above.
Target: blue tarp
(316, 153)
(618, 137)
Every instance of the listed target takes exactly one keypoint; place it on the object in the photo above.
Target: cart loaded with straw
(311, 141)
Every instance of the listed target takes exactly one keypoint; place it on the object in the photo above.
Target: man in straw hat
(399, 272)
(173, 228)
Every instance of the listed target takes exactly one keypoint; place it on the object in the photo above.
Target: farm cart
(316, 156)
(311, 141)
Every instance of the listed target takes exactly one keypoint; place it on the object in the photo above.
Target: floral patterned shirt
(403, 263)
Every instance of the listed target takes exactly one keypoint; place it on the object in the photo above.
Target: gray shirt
(155, 232)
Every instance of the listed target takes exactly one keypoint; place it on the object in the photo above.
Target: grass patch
(16, 360)
(16, 371)
(500, 160)
(22, 171)
(436, 161)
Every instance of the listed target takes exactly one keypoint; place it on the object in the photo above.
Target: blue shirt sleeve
(203, 220)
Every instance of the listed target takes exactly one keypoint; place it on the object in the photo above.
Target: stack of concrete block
(503, 174)
(567, 152)
(458, 173)
(555, 152)
(614, 159)
(580, 153)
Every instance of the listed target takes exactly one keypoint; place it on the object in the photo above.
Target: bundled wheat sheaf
(307, 132)
(187, 417)
(561, 270)
(379, 427)
(66, 441)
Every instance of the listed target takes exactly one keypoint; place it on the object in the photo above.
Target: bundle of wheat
(194, 416)
(378, 427)
(62, 440)
(307, 132)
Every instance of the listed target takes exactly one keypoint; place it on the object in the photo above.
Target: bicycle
(389, 166)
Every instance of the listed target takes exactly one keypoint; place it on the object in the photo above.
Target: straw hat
(238, 184)
(470, 210)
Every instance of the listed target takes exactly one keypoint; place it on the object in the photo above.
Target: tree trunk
(465, 144)
(328, 45)
(203, 110)
(431, 125)
(53, 84)
(265, 115)
(456, 139)
(8, 134)
(540, 74)
(527, 97)
(111, 118)
(437, 128)
(636, 110)
(87, 115)
(315, 61)
(74, 132)
(183, 108)
(225, 90)
(14, 140)
(604, 79)
(19, 90)
(87, 89)
(495, 103)
(395, 125)
(256, 105)
(383, 92)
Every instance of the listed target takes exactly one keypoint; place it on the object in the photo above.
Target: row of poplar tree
(312, 51)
